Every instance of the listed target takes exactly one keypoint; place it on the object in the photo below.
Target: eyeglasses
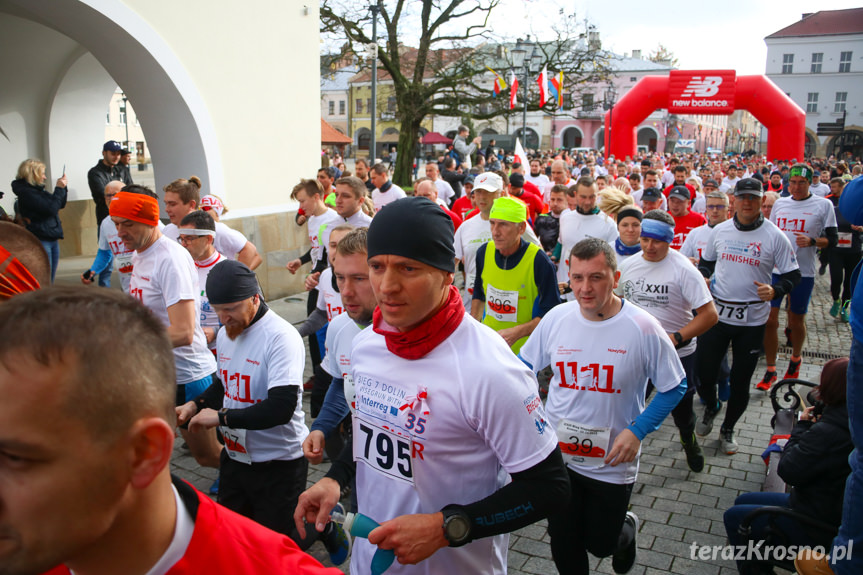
(717, 207)
(188, 239)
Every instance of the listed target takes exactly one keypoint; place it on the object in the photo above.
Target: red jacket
(226, 543)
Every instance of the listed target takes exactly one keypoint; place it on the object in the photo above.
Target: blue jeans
(748, 502)
(852, 508)
(52, 248)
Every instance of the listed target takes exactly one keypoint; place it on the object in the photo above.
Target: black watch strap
(223, 417)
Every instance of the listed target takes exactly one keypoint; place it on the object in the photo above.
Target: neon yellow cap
(509, 210)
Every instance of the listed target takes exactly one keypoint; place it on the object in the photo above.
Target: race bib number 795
(384, 451)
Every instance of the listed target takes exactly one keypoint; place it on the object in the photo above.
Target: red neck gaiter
(418, 342)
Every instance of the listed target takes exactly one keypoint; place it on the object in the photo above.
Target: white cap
(488, 181)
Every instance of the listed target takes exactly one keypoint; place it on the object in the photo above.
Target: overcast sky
(702, 35)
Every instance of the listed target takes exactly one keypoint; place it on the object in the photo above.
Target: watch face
(456, 527)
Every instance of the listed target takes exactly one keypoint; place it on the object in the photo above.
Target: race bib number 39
(502, 305)
(384, 451)
(583, 445)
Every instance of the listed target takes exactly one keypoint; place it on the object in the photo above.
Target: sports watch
(456, 526)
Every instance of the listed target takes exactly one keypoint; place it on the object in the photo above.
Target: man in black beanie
(255, 402)
(441, 406)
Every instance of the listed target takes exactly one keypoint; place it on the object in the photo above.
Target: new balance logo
(705, 88)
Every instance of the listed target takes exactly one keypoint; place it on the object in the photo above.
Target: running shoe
(214, 488)
(822, 269)
(694, 455)
(768, 381)
(705, 426)
(623, 560)
(845, 313)
(793, 371)
(336, 540)
(835, 308)
(726, 442)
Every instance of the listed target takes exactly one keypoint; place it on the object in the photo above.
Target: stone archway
(571, 137)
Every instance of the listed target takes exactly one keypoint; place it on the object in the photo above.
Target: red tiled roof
(330, 135)
(435, 59)
(825, 23)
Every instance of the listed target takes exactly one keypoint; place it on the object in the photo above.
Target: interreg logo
(705, 88)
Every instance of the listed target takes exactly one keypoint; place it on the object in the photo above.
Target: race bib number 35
(583, 445)
(384, 451)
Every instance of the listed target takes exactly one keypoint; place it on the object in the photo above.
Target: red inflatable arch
(715, 92)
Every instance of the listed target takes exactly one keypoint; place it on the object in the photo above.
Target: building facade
(818, 62)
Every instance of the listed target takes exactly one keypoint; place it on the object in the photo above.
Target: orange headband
(15, 278)
(135, 207)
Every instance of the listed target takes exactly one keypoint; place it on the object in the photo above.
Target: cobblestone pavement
(676, 507)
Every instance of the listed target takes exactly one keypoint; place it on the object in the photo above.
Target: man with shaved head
(559, 175)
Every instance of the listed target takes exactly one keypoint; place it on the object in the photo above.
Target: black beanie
(630, 212)
(414, 228)
(230, 281)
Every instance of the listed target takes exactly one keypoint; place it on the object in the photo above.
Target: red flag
(543, 86)
(513, 90)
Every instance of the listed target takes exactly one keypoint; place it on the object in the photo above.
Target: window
(817, 58)
(341, 107)
(332, 107)
(369, 105)
(359, 106)
(844, 62)
(391, 105)
(839, 106)
(587, 101)
(633, 79)
(812, 103)
(787, 63)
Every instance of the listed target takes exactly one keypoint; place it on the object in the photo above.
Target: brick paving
(676, 507)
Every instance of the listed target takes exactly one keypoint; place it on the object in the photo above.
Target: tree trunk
(408, 134)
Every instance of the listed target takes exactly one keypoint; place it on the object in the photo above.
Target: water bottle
(359, 525)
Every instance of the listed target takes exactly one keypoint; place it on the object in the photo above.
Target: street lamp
(521, 62)
(374, 8)
(126, 118)
(610, 98)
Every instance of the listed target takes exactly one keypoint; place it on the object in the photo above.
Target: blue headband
(657, 230)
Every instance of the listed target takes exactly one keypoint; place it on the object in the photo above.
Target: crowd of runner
(621, 285)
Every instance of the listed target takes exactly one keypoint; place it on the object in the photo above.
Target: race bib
(739, 312)
(235, 444)
(124, 262)
(468, 283)
(502, 305)
(350, 392)
(384, 451)
(844, 240)
(583, 445)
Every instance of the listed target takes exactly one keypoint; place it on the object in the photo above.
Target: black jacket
(40, 209)
(815, 464)
(97, 178)
(547, 228)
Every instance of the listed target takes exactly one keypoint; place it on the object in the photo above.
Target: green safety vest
(509, 294)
